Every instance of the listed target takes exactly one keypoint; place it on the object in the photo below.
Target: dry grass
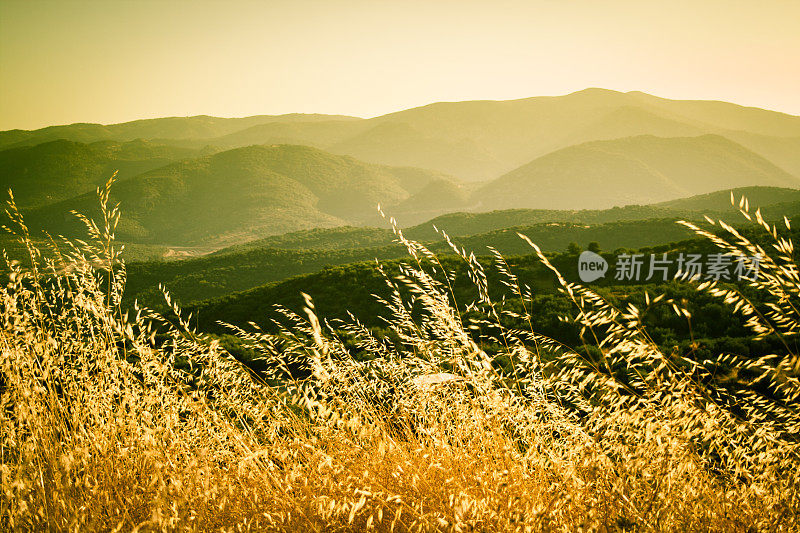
(102, 429)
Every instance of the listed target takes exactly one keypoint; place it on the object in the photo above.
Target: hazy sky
(111, 61)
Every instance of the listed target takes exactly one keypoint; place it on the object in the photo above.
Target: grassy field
(117, 419)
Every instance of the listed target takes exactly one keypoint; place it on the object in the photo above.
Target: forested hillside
(242, 194)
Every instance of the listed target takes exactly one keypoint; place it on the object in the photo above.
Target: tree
(594, 246)
(573, 248)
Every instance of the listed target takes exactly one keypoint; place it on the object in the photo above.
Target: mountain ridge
(243, 193)
(634, 170)
(475, 140)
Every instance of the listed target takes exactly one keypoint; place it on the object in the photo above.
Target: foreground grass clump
(106, 426)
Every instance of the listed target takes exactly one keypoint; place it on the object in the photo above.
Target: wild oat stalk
(116, 419)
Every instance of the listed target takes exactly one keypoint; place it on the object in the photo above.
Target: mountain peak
(595, 91)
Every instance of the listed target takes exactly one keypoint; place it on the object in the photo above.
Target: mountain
(723, 115)
(783, 151)
(245, 193)
(199, 127)
(317, 133)
(473, 140)
(437, 197)
(483, 139)
(630, 121)
(393, 142)
(633, 170)
(57, 170)
(770, 198)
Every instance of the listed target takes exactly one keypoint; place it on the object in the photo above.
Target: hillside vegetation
(238, 195)
(206, 182)
(246, 266)
(58, 170)
(126, 421)
(272, 259)
(774, 201)
(245, 193)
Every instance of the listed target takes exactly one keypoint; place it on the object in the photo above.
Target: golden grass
(104, 429)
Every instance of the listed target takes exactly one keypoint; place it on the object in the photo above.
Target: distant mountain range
(212, 182)
(199, 127)
(475, 140)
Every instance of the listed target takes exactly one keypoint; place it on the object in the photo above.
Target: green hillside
(774, 201)
(241, 194)
(339, 238)
(463, 224)
(275, 258)
(246, 266)
(634, 170)
(213, 276)
(130, 251)
(58, 170)
(338, 290)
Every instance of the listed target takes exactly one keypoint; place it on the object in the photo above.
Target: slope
(58, 170)
(242, 194)
(198, 127)
(241, 268)
(634, 170)
(483, 139)
(474, 140)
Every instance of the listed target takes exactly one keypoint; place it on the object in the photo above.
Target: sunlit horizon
(112, 62)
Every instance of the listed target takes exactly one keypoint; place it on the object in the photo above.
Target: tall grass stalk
(107, 426)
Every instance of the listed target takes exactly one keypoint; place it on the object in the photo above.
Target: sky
(111, 61)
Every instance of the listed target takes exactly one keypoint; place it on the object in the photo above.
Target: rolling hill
(276, 258)
(483, 139)
(771, 199)
(633, 170)
(783, 151)
(340, 289)
(57, 170)
(243, 267)
(242, 194)
(474, 140)
(775, 202)
(198, 127)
